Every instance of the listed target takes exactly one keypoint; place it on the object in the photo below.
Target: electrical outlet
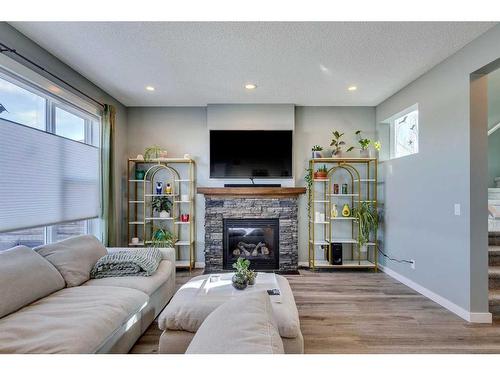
(412, 264)
(457, 209)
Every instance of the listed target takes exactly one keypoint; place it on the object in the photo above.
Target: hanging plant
(367, 218)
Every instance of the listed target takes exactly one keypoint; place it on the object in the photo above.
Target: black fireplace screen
(254, 239)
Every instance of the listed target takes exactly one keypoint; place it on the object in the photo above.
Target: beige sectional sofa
(49, 304)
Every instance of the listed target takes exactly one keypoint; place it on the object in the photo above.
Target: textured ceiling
(192, 64)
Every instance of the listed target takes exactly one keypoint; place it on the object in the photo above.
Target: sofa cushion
(243, 325)
(74, 257)
(25, 276)
(146, 284)
(72, 320)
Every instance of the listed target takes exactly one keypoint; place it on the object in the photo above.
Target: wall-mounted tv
(251, 154)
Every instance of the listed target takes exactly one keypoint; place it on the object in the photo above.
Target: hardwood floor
(358, 312)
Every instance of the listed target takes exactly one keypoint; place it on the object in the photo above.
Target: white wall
(185, 130)
(493, 119)
(419, 191)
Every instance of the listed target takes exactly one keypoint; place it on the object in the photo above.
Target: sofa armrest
(166, 253)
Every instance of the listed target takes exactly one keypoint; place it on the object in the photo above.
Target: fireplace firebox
(254, 239)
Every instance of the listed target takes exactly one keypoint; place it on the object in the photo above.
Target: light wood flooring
(358, 312)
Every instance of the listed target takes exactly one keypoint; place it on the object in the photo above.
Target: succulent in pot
(243, 276)
(239, 281)
(321, 173)
(251, 275)
(316, 151)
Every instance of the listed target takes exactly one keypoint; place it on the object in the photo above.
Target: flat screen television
(251, 153)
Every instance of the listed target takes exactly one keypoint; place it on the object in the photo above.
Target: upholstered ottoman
(196, 299)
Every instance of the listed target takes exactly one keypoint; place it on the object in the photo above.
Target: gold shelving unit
(181, 174)
(360, 174)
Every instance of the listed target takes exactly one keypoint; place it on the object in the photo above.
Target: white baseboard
(473, 317)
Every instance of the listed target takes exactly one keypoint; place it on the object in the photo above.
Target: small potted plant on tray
(243, 276)
(321, 173)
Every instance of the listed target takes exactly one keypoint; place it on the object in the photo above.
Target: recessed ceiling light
(250, 86)
(150, 88)
(352, 88)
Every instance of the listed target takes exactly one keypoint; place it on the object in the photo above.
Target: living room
(337, 178)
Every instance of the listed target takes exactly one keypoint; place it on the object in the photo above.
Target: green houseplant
(162, 205)
(308, 178)
(316, 151)
(243, 275)
(367, 217)
(365, 143)
(338, 144)
(162, 238)
(321, 173)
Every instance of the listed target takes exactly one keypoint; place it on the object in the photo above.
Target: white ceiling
(193, 64)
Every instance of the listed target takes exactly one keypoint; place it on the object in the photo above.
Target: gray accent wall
(419, 191)
(493, 119)
(184, 130)
(25, 46)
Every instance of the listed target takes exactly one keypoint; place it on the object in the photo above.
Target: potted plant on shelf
(365, 143)
(367, 217)
(321, 173)
(316, 151)
(154, 153)
(162, 238)
(338, 144)
(162, 205)
(364, 151)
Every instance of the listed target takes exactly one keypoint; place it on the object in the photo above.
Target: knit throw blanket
(140, 262)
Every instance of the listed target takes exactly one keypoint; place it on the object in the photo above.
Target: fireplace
(254, 239)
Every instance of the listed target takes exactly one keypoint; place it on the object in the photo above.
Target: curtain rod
(4, 49)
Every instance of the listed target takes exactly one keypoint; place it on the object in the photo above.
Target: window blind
(45, 179)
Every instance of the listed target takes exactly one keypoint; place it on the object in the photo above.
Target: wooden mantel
(252, 191)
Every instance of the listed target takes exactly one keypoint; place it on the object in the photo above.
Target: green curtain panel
(107, 179)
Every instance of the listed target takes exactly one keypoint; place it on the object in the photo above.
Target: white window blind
(45, 179)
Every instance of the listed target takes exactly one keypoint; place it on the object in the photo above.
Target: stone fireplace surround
(251, 203)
